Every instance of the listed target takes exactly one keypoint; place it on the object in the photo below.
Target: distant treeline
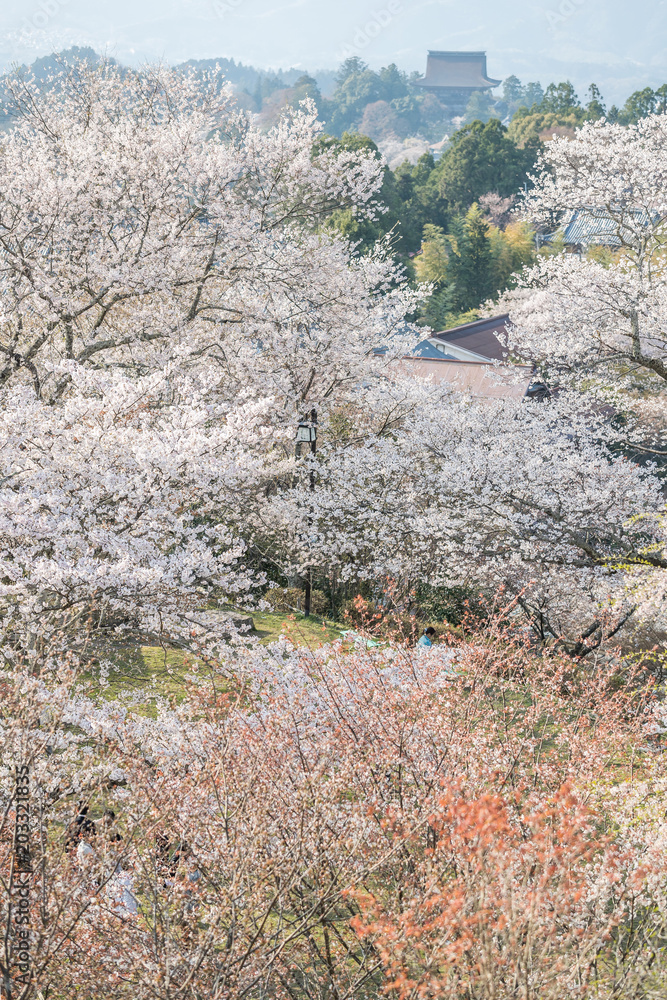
(385, 104)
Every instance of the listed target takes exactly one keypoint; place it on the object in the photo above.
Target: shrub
(292, 599)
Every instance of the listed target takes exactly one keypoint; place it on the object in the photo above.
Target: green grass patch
(302, 631)
(152, 671)
(159, 672)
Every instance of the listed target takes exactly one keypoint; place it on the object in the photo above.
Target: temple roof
(595, 227)
(480, 337)
(458, 70)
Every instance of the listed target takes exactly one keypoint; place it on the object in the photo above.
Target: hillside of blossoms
(207, 421)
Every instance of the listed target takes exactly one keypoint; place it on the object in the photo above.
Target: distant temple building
(455, 76)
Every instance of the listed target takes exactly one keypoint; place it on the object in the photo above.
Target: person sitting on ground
(427, 638)
(80, 827)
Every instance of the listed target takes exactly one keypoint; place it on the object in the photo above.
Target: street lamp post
(307, 434)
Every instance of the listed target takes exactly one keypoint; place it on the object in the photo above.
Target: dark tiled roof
(479, 337)
(457, 70)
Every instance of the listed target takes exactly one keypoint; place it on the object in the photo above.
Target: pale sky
(621, 46)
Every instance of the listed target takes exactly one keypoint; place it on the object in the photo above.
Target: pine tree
(471, 260)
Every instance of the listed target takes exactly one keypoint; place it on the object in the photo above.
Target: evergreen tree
(419, 202)
(394, 83)
(559, 98)
(480, 159)
(638, 105)
(480, 107)
(513, 92)
(306, 87)
(595, 108)
(471, 265)
(533, 94)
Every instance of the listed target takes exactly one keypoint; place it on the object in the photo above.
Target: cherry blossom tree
(113, 504)
(153, 236)
(525, 496)
(596, 318)
(142, 216)
(594, 321)
(172, 311)
(603, 316)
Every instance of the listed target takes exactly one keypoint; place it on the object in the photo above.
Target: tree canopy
(482, 158)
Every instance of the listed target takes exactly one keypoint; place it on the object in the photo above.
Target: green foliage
(305, 87)
(394, 82)
(639, 105)
(445, 604)
(483, 158)
(432, 264)
(461, 318)
(413, 201)
(383, 103)
(529, 128)
(471, 261)
(439, 310)
(288, 599)
(516, 95)
(595, 108)
(511, 249)
(481, 107)
(642, 103)
(357, 86)
(512, 90)
(560, 98)
(533, 94)
(408, 111)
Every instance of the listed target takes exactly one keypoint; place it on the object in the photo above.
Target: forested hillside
(446, 199)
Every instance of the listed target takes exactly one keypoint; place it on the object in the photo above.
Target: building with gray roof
(455, 76)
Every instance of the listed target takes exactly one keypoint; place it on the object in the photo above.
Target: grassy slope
(154, 671)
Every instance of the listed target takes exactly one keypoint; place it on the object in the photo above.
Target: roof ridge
(468, 326)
